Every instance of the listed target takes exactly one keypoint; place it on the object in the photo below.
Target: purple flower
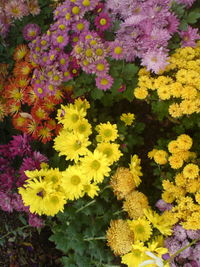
(188, 3)
(179, 233)
(5, 202)
(162, 205)
(189, 37)
(196, 253)
(20, 145)
(172, 244)
(35, 221)
(60, 39)
(186, 252)
(31, 31)
(192, 234)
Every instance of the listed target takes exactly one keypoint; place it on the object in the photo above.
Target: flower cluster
(183, 190)
(144, 32)
(12, 177)
(15, 9)
(3, 75)
(30, 114)
(180, 239)
(86, 49)
(47, 190)
(127, 238)
(179, 84)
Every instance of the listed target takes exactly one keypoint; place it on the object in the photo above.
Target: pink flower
(104, 82)
(30, 31)
(40, 90)
(16, 9)
(155, 60)
(103, 21)
(189, 37)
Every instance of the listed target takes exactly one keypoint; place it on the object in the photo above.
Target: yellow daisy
(110, 150)
(83, 127)
(54, 202)
(95, 165)
(91, 189)
(141, 228)
(107, 132)
(127, 118)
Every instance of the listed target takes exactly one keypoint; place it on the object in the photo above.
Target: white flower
(155, 260)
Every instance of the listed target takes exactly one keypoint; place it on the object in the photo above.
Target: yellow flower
(160, 157)
(164, 92)
(159, 221)
(127, 118)
(141, 228)
(152, 153)
(140, 92)
(173, 147)
(71, 145)
(110, 150)
(54, 202)
(184, 142)
(135, 203)
(135, 169)
(81, 104)
(119, 237)
(83, 127)
(73, 181)
(122, 182)
(95, 165)
(191, 171)
(175, 162)
(175, 110)
(91, 189)
(107, 132)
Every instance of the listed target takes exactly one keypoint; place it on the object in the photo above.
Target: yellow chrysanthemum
(191, 171)
(160, 157)
(95, 165)
(71, 145)
(152, 153)
(135, 169)
(135, 203)
(83, 127)
(122, 182)
(34, 195)
(82, 104)
(160, 221)
(107, 132)
(175, 162)
(53, 176)
(141, 228)
(127, 118)
(110, 150)
(175, 110)
(140, 92)
(119, 237)
(54, 202)
(173, 147)
(184, 142)
(73, 181)
(91, 189)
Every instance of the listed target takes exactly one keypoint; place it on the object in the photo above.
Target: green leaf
(97, 94)
(193, 16)
(129, 71)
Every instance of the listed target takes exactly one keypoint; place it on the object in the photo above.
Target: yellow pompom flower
(107, 132)
(135, 203)
(141, 228)
(73, 181)
(110, 150)
(164, 92)
(184, 142)
(119, 237)
(191, 171)
(175, 161)
(122, 182)
(160, 157)
(71, 145)
(175, 110)
(173, 147)
(152, 153)
(197, 197)
(95, 165)
(168, 197)
(127, 118)
(140, 92)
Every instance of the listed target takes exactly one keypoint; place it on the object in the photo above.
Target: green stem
(182, 249)
(11, 232)
(95, 238)
(118, 212)
(87, 205)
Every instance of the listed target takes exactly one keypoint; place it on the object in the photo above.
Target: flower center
(107, 133)
(103, 21)
(104, 81)
(118, 50)
(95, 165)
(75, 180)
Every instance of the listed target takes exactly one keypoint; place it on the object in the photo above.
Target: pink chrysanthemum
(40, 90)
(155, 60)
(60, 39)
(30, 31)
(116, 49)
(173, 24)
(104, 82)
(16, 9)
(100, 67)
(189, 37)
(102, 22)
(33, 7)
(80, 26)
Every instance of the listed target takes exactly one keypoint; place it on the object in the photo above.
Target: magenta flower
(102, 22)
(40, 90)
(104, 82)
